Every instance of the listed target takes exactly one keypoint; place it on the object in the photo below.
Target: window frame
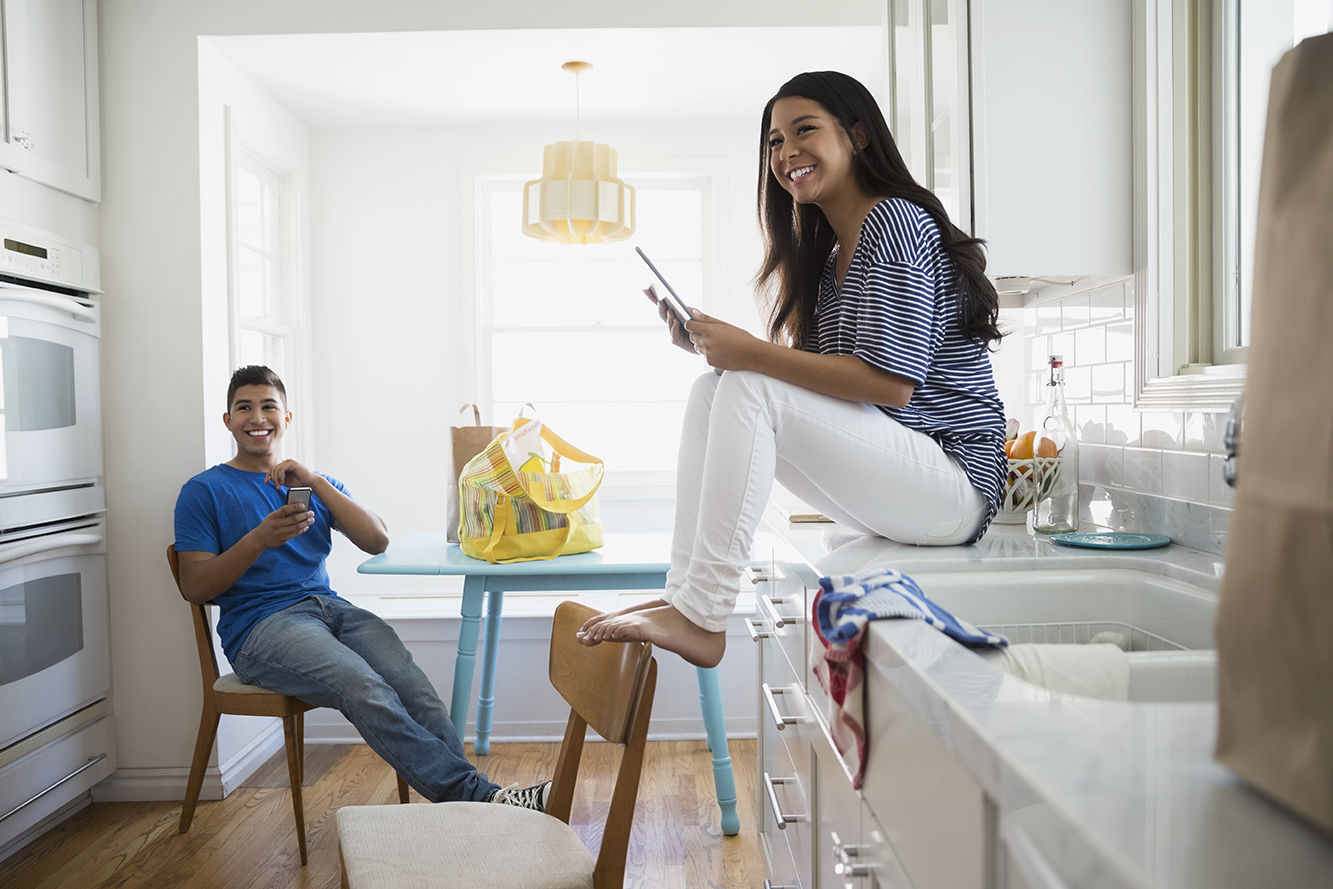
(285, 278)
(481, 179)
(1185, 239)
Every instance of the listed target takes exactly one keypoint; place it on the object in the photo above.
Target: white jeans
(850, 461)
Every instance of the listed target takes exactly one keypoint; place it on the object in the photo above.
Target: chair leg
(294, 743)
(402, 790)
(300, 744)
(203, 746)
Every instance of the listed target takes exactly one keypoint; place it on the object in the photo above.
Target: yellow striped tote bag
(521, 500)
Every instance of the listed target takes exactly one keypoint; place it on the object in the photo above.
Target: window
(264, 307)
(1203, 71)
(565, 327)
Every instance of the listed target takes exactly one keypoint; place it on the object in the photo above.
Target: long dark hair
(798, 238)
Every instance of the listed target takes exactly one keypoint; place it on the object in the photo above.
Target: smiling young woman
(873, 398)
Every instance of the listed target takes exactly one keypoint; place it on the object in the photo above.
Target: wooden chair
(227, 694)
(483, 845)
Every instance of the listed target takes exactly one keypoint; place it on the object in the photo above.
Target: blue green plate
(1111, 539)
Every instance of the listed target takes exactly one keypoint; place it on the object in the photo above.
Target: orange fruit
(1009, 447)
(1046, 448)
(1022, 446)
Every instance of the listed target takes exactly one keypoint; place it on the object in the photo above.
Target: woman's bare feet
(664, 627)
(607, 615)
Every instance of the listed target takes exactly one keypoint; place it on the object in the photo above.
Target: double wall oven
(56, 738)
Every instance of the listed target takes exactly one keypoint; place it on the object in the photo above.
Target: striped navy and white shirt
(897, 310)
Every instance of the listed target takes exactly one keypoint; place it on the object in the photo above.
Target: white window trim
(290, 281)
(623, 486)
(1162, 323)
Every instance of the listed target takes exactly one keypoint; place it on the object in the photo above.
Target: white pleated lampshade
(578, 200)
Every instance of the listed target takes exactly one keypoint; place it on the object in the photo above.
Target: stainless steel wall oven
(56, 738)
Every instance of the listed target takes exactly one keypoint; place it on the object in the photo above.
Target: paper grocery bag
(467, 442)
(1275, 619)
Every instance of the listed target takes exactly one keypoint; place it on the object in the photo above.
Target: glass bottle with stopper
(1055, 461)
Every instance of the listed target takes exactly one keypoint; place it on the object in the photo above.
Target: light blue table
(625, 562)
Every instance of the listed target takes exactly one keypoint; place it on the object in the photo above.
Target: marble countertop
(1114, 795)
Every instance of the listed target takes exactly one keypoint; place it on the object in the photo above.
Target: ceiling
(438, 78)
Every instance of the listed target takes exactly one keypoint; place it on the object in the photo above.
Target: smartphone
(299, 495)
(672, 299)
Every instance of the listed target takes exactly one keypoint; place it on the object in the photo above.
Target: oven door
(54, 656)
(50, 418)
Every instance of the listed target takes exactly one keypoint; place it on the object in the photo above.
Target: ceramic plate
(1112, 540)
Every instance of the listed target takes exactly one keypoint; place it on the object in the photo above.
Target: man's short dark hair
(255, 375)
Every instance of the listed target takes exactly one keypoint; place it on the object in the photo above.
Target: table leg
(724, 782)
(464, 665)
(486, 702)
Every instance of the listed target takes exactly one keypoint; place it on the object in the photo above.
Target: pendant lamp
(578, 200)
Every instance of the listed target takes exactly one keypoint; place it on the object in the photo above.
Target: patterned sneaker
(533, 797)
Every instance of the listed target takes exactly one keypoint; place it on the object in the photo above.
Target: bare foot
(664, 627)
(598, 618)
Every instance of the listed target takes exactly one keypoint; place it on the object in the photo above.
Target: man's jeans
(329, 653)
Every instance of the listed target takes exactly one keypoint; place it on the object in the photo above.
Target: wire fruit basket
(1021, 487)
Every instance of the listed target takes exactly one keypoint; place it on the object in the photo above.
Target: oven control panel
(34, 255)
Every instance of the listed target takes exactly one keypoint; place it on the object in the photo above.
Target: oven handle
(63, 303)
(14, 552)
(92, 761)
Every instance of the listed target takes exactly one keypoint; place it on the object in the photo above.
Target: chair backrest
(609, 687)
(203, 634)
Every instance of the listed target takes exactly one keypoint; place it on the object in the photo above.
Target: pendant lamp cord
(578, 109)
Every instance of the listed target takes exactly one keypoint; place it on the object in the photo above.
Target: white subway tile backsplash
(1090, 345)
(1108, 383)
(1048, 319)
(1151, 469)
(1120, 342)
(1062, 344)
(1185, 475)
(1105, 465)
(1078, 384)
(1107, 304)
(1143, 470)
(1122, 424)
(1074, 311)
(1162, 429)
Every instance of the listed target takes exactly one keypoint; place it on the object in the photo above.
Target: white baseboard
(136, 785)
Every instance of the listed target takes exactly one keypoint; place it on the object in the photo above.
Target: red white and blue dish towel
(844, 607)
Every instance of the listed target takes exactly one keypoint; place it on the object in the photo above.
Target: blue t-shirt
(221, 505)
(897, 310)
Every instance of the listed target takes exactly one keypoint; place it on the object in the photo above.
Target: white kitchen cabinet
(1017, 114)
(49, 125)
(919, 819)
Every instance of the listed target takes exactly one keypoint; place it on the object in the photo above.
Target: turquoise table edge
(626, 561)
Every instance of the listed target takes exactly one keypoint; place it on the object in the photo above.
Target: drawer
(782, 609)
(58, 772)
(784, 787)
(882, 866)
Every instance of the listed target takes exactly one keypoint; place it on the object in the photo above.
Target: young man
(262, 562)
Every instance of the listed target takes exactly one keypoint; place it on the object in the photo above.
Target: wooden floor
(249, 839)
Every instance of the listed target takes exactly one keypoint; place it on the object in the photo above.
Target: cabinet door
(49, 98)
(930, 117)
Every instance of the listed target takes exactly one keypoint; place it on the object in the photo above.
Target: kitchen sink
(1167, 624)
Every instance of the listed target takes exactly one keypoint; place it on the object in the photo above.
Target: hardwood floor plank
(248, 841)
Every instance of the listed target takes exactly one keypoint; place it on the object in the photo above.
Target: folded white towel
(1093, 671)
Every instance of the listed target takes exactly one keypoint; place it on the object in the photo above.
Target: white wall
(390, 246)
(161, 361)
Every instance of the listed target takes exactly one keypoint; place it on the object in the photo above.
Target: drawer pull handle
(92, 761)
(755, 635)
(757, 574)
(783, 819)
(771, 885)
(770, 603)
(771, 700)
(843, 853)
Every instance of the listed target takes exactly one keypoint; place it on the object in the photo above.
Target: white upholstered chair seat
(456, 844)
